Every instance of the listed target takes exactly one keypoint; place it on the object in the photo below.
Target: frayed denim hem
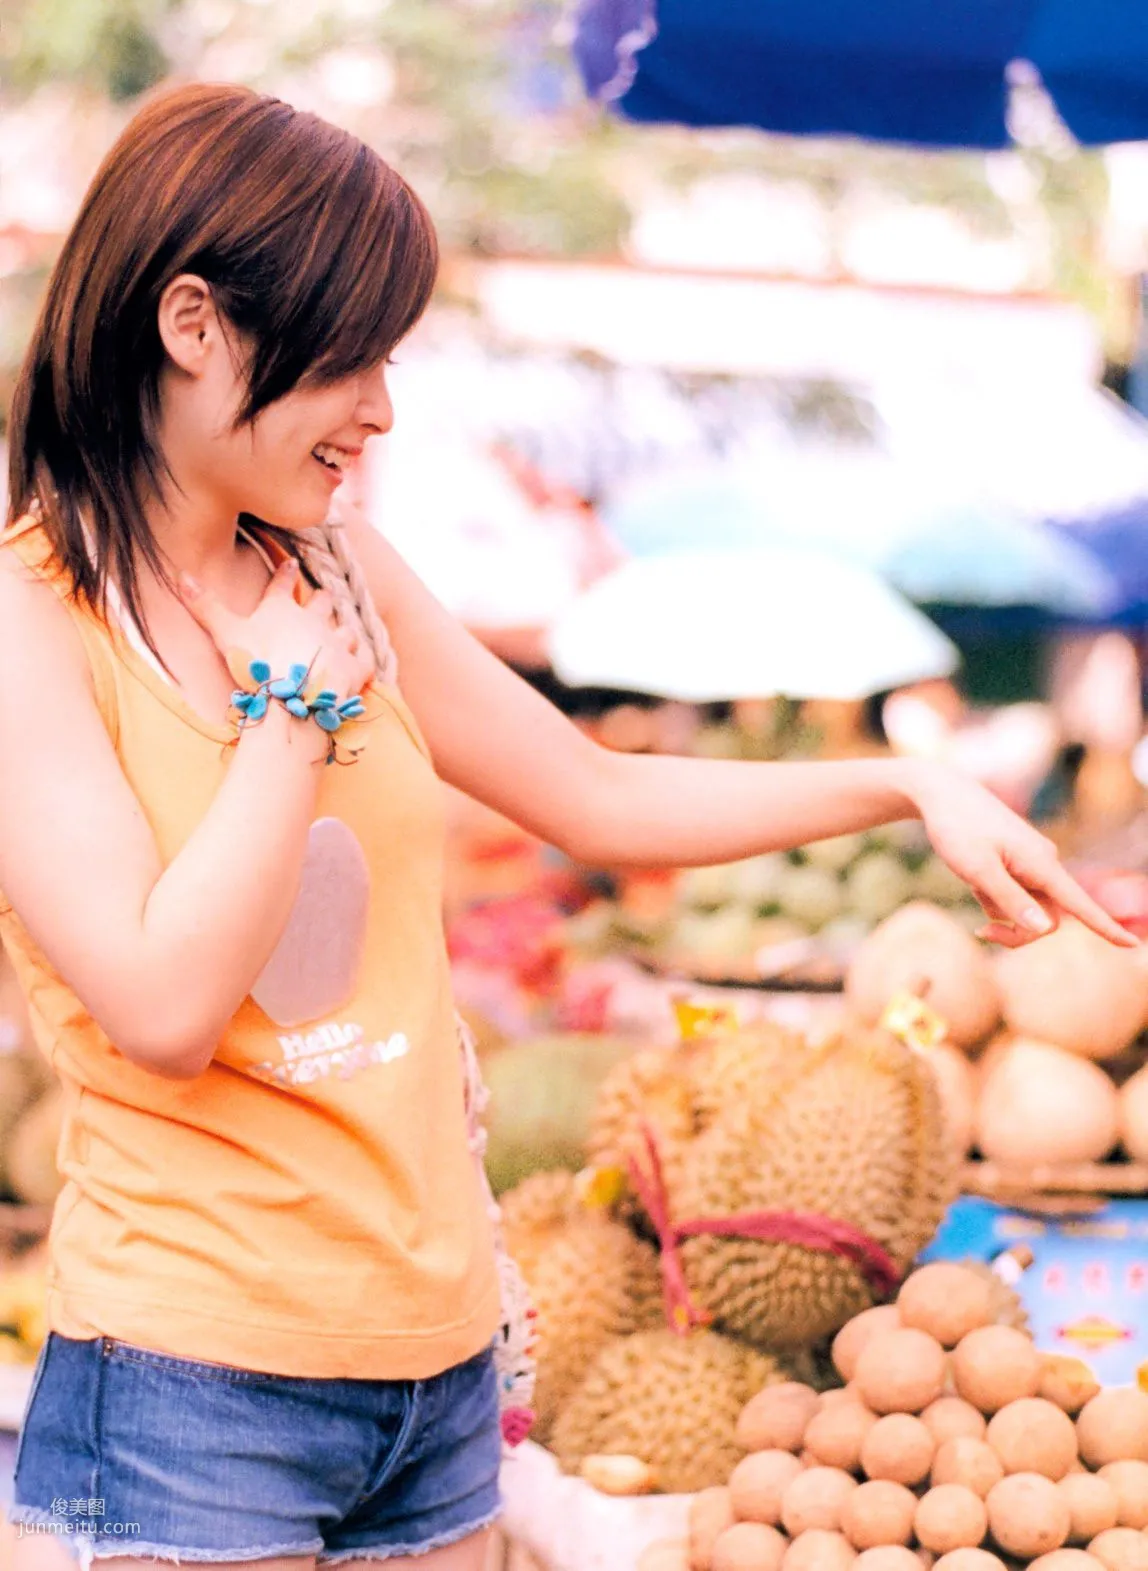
(454, 1535)
(99, 1549)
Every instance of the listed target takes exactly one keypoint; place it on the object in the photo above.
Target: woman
(273, 1288)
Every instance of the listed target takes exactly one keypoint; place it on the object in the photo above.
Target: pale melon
(1076, 990)
(923, 950)
(1134, 1116)
(957, 1087)
(1043, 1105)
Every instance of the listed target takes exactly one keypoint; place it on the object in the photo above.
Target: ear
(189, 324)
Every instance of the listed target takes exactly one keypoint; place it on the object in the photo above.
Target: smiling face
(284, 465)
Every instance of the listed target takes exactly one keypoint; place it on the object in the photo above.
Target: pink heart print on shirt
(315, 967)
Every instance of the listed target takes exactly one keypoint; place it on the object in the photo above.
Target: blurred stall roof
(588, 423)
(959, 412)
(723, 321)
(597, 373)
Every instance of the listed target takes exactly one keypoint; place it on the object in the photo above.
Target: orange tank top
(308, 1205)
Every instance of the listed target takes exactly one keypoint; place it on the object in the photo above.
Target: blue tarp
(1118, 540)
(929, 72)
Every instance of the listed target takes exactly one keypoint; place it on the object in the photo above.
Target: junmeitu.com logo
(78, 1515)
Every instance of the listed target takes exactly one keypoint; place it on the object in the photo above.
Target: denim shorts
(128, 1452)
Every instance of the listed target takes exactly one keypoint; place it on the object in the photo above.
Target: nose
(374, 407)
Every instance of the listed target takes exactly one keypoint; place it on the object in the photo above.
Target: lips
(332, 457)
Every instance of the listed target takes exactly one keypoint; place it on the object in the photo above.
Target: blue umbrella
(956, 552)
(678, 511)
(932, 72)
(1118, 541)
(970, 556)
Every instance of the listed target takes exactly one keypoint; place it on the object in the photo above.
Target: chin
(295, 513)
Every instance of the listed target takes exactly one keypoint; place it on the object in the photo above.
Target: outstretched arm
(496, 739)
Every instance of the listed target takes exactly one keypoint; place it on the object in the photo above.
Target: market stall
(740, 1358)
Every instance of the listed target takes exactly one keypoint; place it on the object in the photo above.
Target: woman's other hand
(1014, 870)
(284, 633)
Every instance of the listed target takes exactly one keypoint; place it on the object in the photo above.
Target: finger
(364, 668)
(997, 914)
(1010, 900)
(207, 609)
(348, 636)
(321, 605)
(1060, 886)
(282, 580)
(999, 929)
(1006, 935)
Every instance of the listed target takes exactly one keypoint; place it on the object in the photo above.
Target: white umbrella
(704, 626)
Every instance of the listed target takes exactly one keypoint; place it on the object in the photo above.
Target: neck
(195, 532)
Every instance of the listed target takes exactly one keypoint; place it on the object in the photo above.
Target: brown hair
(313, 248)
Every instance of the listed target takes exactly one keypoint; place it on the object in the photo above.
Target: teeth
(333, 456)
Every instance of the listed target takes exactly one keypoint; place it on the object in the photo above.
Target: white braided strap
(340, 572)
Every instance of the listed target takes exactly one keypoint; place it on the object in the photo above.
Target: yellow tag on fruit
(600, 1188)
(911, 1020)
(1142, 1377)
(699, 1020)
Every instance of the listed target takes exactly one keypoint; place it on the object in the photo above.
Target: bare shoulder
(401, 597)
(387, 573)
(36, 631)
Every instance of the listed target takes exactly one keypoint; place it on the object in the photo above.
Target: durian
(855, 1134)
(1008, 1308)
(731, 1067)
(653, 1090)
(671, 1400)
(589, 1279)
(535, 1210)
(677, 1093)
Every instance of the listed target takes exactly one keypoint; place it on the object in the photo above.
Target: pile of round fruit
(953, 1445)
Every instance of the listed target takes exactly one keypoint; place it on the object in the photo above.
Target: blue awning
(930, 72)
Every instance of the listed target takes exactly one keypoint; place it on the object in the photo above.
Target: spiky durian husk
(534, 1213)
(856, 1135)
(677, 1093)
(671, 1400)
(654, 1089)
(1007, 1304)
(539, 1204)
(591, 1280)
(738, 1065)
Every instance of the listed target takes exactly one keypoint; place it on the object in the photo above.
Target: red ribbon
(808, 1229)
